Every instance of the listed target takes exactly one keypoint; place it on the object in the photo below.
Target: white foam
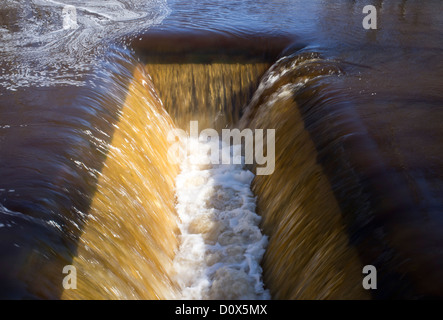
(221, 243)
(36, 49)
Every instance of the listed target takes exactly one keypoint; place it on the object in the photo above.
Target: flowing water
(221, 243)
(87, 178)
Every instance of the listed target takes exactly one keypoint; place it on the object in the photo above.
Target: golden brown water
(308, 257)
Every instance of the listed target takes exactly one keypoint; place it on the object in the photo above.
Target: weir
(86, 178)
(206, 76)
(308, 256)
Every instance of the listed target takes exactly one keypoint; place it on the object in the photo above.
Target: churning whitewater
(221, 244)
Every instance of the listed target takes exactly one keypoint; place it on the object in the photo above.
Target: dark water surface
(84, 176)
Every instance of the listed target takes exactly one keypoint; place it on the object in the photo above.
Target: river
(91, 90)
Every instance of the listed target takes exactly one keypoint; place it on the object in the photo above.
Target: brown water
(85, 177)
